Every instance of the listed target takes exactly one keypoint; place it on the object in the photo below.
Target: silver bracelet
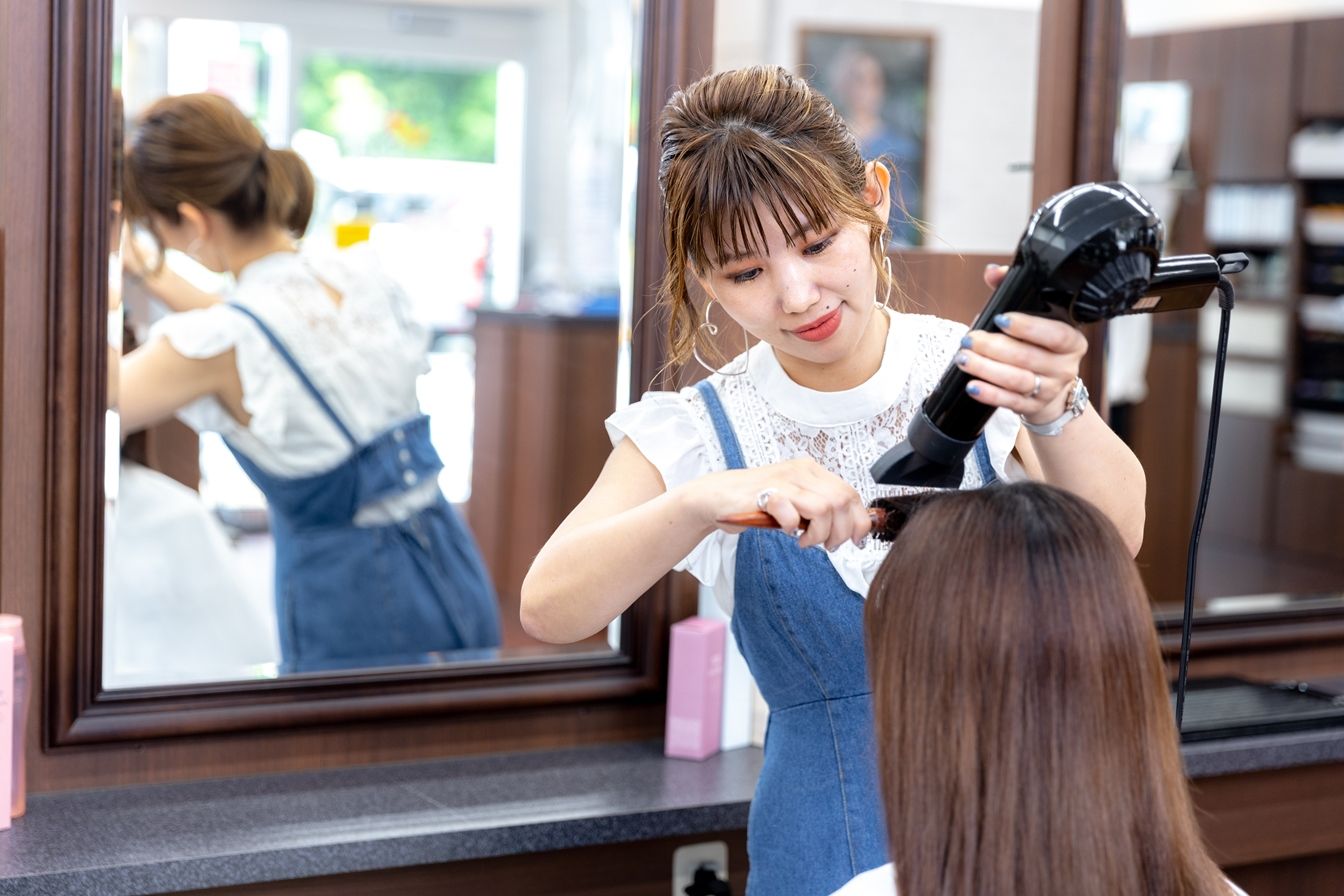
(1074, 407)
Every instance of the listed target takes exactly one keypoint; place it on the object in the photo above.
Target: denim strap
(732, 451)
(987, 474)
(298, 371)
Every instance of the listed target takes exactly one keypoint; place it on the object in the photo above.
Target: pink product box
(695, 688)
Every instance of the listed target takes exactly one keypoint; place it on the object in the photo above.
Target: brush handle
(759, 519)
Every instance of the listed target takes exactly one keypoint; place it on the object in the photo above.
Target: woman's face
(810, 295)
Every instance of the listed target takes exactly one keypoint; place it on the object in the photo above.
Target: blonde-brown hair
(200, 149)
(1025, 733)
(732, 138)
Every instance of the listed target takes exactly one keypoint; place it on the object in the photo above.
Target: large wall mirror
(480, 157)
(490, 160)
(1271, 556)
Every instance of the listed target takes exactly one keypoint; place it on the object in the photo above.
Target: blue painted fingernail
(965, 342)
(972, 389)
(961, 359)
(1002, 321)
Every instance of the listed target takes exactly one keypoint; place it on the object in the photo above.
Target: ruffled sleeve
(667, 432)
(208, 332)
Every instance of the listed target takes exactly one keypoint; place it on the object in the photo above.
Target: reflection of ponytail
(288, 188)
(200, 149)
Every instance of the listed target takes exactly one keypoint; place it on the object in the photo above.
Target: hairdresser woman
(308, 371)
(771, 210)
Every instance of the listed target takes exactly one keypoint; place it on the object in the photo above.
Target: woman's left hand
(1029, 367)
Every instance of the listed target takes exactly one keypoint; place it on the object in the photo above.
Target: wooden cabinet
(544, 386)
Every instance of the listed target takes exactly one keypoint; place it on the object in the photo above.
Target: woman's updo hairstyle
(199, 148)
(732, 138)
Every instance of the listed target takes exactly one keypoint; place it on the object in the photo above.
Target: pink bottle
(12, 625)
(694, 688)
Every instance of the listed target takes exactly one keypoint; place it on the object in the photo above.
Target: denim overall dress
(816, 820)
(390, 594)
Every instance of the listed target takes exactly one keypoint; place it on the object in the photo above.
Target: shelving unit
(1309, 482)
(1317, 160)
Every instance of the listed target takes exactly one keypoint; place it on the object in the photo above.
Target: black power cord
(1229, 264)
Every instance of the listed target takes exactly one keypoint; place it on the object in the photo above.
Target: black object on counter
(1218, 708)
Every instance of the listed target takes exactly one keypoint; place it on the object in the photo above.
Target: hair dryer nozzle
(927, 458)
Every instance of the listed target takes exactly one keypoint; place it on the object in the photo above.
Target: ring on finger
(763, 498)
(1035, 389)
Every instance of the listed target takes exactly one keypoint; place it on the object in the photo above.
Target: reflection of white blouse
(776, 419)
(363, 354)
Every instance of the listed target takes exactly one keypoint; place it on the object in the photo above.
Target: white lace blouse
(776, 419)
(364, 355)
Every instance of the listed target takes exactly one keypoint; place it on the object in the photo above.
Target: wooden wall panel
(1320, 89)
(1273, 815)
(1294, 877)
(1162, 433)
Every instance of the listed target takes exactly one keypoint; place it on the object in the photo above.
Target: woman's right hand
(798, 493)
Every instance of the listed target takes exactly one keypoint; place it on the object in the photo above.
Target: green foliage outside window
(383, 108)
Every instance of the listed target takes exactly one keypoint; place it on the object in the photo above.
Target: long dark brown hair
(200, 149)
(732, 138)
(1025, 734)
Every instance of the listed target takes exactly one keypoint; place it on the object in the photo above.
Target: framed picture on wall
(880, 84)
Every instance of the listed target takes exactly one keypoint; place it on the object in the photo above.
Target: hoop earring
(886, 269)
(713, 330)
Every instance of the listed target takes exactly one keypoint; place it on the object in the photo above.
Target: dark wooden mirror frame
(675, 48)
(56, 76)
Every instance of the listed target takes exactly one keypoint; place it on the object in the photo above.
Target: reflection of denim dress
(349, 596)
(816, 819)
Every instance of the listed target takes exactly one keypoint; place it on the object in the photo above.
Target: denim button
(404, 455)
(399, 435)
(409, 477)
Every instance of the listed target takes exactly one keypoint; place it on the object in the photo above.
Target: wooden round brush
(888, 515)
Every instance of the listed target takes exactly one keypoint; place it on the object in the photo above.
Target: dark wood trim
(680, 53)
(1079, 95)
(77, 232)
(68, 311)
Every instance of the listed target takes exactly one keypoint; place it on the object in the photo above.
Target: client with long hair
(1025, 735)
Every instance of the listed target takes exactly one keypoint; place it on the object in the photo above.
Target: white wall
(1157, 16)
(982, 100)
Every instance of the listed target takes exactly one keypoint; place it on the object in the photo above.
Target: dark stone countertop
(173, 837)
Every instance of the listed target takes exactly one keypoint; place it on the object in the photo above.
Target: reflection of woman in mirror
(773, 212)
(859, 85)
(308, 371)
(1024, 727)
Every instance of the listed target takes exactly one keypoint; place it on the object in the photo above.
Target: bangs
(736, 173)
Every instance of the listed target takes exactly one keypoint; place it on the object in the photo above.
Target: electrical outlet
(686, 859)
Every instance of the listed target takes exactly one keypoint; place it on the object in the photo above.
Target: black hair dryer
(1089, 253)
